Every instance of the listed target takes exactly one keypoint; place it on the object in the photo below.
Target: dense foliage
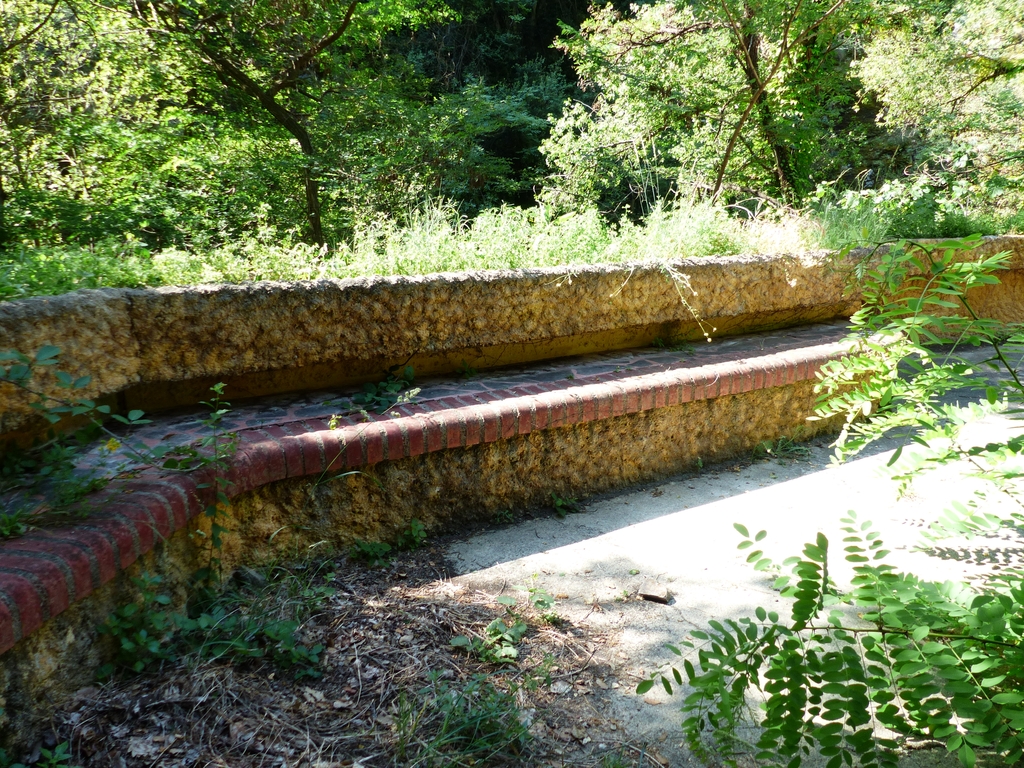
(135, 127)
(755, 98)
(196, 122)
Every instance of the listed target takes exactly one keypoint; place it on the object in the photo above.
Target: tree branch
(232, 76)
(288, 76)
(28, 35)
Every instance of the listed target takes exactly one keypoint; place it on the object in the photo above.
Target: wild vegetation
(336, 662)
(857, 666)
(160, 142)
(168, 142)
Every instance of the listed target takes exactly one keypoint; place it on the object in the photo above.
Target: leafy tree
(168, 123)
(103, 133)
(950, 81)
(276, 56)
(17, 30)
(473, 146)
(189, 125)
(462, 106)
(708, 96)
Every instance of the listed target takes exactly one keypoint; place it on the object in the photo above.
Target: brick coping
(45, 571)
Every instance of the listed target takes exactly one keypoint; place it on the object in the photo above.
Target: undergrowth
(437, 238)
(497, 643)
(472, 723)
(58, 757)
(257, 617)
(380, 553)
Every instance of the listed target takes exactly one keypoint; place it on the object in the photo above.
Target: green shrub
(58, 757)
(498, 643)
(898, 209)
(413, 537)
(261, 620)
(373, 553)
(142, 630)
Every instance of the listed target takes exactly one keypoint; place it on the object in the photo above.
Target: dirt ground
(387, 635)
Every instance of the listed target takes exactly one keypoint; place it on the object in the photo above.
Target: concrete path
(680, 534)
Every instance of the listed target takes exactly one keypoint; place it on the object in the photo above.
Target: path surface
(680, 534)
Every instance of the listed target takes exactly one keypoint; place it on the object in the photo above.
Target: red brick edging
(42, 573)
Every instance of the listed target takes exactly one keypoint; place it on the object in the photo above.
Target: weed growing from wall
(142, 630)
(380, 553)
(564, 506)
(40, 483)
(382, 396)
(503, 517)
(259, 619)
(214, 450)
(783, 448)
(43, 484)
(412, 538)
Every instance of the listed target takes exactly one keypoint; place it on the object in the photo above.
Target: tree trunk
(750, 60)
(313, 204)
(3, 215)
(233, 77)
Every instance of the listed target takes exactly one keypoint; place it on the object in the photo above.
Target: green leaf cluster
(895, 653)
(382, 396)
(379, 553)
(850, 672)
(498, 643)
(242, 625)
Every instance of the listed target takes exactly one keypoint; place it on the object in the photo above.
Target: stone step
(286, 438)
(464, 449)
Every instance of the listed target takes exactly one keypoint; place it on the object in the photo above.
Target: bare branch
(286, 78)
(31, 33)
(668, 34)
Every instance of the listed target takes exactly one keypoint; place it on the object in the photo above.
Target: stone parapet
(160, 348)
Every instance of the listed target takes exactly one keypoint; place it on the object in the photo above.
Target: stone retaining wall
(159, 348)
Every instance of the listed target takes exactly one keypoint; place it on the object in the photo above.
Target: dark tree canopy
(195, 123)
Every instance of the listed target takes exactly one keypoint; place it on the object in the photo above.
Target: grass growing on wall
(437, 239)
